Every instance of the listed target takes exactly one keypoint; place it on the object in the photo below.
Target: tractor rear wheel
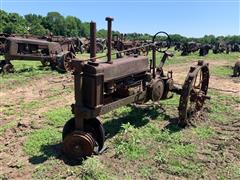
(64, 62)
(194, 93)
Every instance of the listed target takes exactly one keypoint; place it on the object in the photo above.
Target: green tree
(55, 23)
(72, 26)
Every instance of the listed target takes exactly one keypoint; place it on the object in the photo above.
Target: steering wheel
(159, 44)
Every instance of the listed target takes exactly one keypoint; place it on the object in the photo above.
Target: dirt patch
(227, 85)
(14, 163)
(35, 89)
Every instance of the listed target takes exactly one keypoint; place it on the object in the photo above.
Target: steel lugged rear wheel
(64, 62)
(194, 93)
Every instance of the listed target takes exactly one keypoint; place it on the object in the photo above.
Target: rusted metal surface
(236, 69)
(93, 40)
(101, 87)
(194, 92)
(109, 38)
(100, 45)
(18, 48)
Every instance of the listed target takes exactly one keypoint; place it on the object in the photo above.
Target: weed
(94, 169)
(128, 143)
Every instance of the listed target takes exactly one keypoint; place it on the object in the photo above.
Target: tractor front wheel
(93, 137)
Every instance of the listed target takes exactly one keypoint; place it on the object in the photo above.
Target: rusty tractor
(236, 69)
(120, 43)
(49, 53)
(102, 86)
(189, 47)
(66, 42)
(3, 37)
(100, 45)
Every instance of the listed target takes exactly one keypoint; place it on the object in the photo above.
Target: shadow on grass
(39, 69)
(173, 125)
(55, 151)
(137, 117)
(30, 69)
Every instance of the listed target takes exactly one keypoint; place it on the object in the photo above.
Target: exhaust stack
(109, 39)
(93, 41)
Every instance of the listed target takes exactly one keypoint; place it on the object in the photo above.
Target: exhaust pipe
(93, 41)
(109, 39)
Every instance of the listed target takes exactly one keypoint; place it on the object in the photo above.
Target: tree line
(55, 23)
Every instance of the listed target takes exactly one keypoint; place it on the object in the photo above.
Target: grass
(204, 132)
(132, 144)
(222, 71)
(178, 59)
(146, 171)
(6, 126)
(41, 171)
(58, 116)
(28, 106)
(37, 142)
(183, 169)
(130, 147)
(24, 71)
(92, 168)
(222, 107)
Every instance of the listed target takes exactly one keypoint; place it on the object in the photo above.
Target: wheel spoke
(193, 95)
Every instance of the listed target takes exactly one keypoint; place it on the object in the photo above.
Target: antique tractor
(52, 53)
(236, 69)
(102, 86)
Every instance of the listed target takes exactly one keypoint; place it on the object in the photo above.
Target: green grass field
(142, 143)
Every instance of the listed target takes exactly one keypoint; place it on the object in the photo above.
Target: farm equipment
(236, 69)
(102, 86)
(66, 42)
(53, 53)
(3, 37)
(100, 45)
(120, 43)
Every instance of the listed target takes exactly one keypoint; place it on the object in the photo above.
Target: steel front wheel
(93, 130)
(78, 144)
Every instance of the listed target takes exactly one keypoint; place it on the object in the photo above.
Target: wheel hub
(78, 144)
